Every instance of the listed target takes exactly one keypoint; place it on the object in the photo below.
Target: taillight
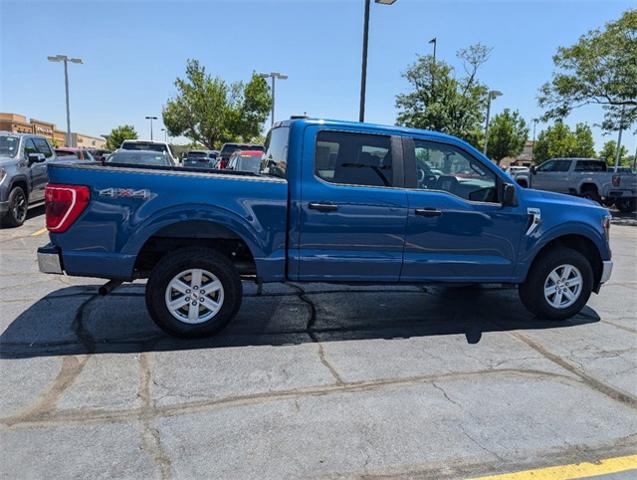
(616, 180)
(64, 203)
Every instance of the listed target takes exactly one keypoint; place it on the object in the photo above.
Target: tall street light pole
(619, 138)
(492, 95)
(66, 59)
(151, 118)
(535, 120)
(433, 72)
(361, 111)
(273, 76)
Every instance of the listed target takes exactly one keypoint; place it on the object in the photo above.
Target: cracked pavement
(310, 380)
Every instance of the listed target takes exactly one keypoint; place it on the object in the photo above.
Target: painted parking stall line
(572, 471)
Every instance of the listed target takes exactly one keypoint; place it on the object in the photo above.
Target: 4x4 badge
(124, 193)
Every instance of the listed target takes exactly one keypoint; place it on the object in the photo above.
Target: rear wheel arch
(195, 233)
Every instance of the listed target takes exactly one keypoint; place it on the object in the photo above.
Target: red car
(80, 153)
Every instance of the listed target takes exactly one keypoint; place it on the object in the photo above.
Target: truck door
(37, 172)
(457, 229)
(552, 175)
(352, 217)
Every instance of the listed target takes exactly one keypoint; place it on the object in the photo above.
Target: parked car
(246, 161)
(334, 202)
(148, 145)
(229, 148)
(200, 158)
(99, 154)
(584, 177)
(79, 153)
(140, 157)
(23, 174)
(517, 169)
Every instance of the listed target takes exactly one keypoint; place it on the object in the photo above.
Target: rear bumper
(607, 270)
(49, 260)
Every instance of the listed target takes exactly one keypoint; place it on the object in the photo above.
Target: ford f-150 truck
(586, 177)
(334, 202)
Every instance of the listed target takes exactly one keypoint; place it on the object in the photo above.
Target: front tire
(193, 292)
(18, 207)
(592, 194)
(558, 284)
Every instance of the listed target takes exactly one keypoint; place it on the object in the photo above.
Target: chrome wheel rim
(19, 206)
(563, 286)
(194, 296)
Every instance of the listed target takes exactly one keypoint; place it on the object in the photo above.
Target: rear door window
(354, 159)
(590, 166)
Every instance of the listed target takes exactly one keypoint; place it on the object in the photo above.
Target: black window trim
(396, 146)
(411, 178)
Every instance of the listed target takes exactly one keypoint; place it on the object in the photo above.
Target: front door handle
(428, 212)
(323, 207)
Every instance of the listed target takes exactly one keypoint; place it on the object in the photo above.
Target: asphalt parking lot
(312, 381)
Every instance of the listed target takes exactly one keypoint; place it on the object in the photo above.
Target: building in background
(15, 123)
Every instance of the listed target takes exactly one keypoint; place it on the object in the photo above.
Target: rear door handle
(323, 207)
(428, 212)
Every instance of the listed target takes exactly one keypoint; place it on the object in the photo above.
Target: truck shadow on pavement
(76, 320)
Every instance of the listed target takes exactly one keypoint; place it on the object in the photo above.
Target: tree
(507, 135)
(560, 141)
(442, 101)
(601, 68)
(119, 134)
(609, 152)
(210, 111)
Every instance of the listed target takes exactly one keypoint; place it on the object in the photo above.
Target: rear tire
(176, 295)
(626, 205)
(558, 284)
(18, 207)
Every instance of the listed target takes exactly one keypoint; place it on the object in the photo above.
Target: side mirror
(509, 195)
(35, 158)
(532, 169)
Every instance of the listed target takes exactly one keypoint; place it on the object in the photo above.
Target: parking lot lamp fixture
(273, 76)
(66, 60)
(493, 94)
(151, 118)
(361, 111)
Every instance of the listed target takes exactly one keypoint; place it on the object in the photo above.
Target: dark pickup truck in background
(333, 202)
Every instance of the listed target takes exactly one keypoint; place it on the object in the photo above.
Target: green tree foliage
(601, 68)
(560, 141)
(119, 134)
(507, 135)
(609, 151)
(442, 101)
(210, 111)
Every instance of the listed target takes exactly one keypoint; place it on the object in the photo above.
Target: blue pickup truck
(334, 202)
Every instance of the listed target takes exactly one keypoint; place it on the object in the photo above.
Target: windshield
(275, 158)
(139, 158)
(9, 145)
(229, 148)
(196, 155)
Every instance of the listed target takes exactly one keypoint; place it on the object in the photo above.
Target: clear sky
(133, 51)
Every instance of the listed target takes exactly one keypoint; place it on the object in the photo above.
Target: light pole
(151, 118)
(535, 120)
(66, 60)
(619, 138)
(273, 76)
(433, 71)
(361, 111)
(492, 95)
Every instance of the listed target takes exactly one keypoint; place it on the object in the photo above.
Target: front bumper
(4, 207)
(49, 260)
(607, 269)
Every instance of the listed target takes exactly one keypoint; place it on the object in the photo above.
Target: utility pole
(433, 71)
(151, 118)
(493, 94)
(273, 76)
(535, 120)
(66, 60)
